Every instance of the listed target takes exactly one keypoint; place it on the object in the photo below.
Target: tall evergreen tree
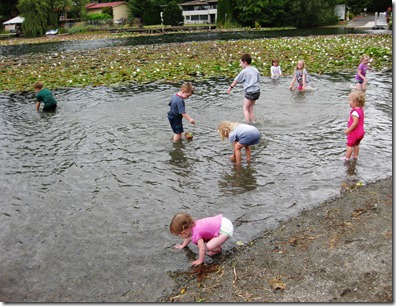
(173, 14)
(225, 12)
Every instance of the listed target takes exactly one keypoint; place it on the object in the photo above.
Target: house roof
(15, 20)
(198, 2)
(90, 6)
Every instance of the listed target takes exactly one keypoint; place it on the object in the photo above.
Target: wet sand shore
(340, 251)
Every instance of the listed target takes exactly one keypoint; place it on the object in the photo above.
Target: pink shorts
(353, 140)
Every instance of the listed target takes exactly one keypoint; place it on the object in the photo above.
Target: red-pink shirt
(359, 130)
(206, 228)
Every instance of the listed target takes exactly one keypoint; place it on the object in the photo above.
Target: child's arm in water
(188, 118)
(185, 243)
(201, 251)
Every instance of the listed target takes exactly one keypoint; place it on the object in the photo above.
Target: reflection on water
(178, 158)
(238, 180)
(88, 192)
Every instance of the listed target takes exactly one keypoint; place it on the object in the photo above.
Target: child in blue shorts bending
(178, 110)
(241, 136)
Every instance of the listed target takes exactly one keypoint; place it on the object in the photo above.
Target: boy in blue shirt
(178, 110)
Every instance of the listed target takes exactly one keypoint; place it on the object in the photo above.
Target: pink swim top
(359, 130)
(206, 228)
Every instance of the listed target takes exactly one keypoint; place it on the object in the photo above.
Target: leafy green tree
(37, 14)
(41, 15)
(173, 14)
(73, 8)
(357, 6)
(147, 10)
(108, 10)
(8, 10)
(379, 5)
(263, 12)
(135, 9)
(152, 13)
(225, 12)
(312, 13)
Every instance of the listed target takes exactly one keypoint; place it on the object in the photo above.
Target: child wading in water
(360, 77)
(178, 110)
(355, 130)
(241, 136)
(250, 77)
(44, 95)
(208, 234)
(300, 75)
(276, 71)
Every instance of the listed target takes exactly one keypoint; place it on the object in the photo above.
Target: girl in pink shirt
(355, 130)
(208, 234)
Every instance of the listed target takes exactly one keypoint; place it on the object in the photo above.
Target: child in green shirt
(44, 95)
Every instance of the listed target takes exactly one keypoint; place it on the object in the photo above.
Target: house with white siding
(198, 11)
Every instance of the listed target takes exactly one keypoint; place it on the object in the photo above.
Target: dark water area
(88, 192)
(18, 50)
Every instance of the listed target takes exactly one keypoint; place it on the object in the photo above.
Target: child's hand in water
(196, 262)
(178, 246)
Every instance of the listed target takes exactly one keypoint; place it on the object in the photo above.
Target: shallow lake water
(88, 192)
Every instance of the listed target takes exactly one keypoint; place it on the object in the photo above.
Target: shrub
(99, 17)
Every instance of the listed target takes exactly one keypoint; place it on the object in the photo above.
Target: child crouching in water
(208, 234)
(355, 130)
(241, 136)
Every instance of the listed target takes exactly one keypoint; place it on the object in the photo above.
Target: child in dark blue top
(178, 110)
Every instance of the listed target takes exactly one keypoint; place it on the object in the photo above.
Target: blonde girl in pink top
(208, 234)
(355, 130)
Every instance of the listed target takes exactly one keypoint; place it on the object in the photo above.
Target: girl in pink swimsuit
(208, 234)
(355, 130)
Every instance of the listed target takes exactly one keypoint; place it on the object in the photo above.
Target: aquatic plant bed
(191, 61)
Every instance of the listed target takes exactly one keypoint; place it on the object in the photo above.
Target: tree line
(42, 15)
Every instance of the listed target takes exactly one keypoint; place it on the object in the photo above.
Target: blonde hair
(187, 88)
(225, 128)
(358, 97)
(180, 222)
(303, 64)
(38, 85)
(363, 57)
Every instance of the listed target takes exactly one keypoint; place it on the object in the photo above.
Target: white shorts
(226, 227)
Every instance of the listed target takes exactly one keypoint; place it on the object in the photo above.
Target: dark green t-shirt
(45, 96)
